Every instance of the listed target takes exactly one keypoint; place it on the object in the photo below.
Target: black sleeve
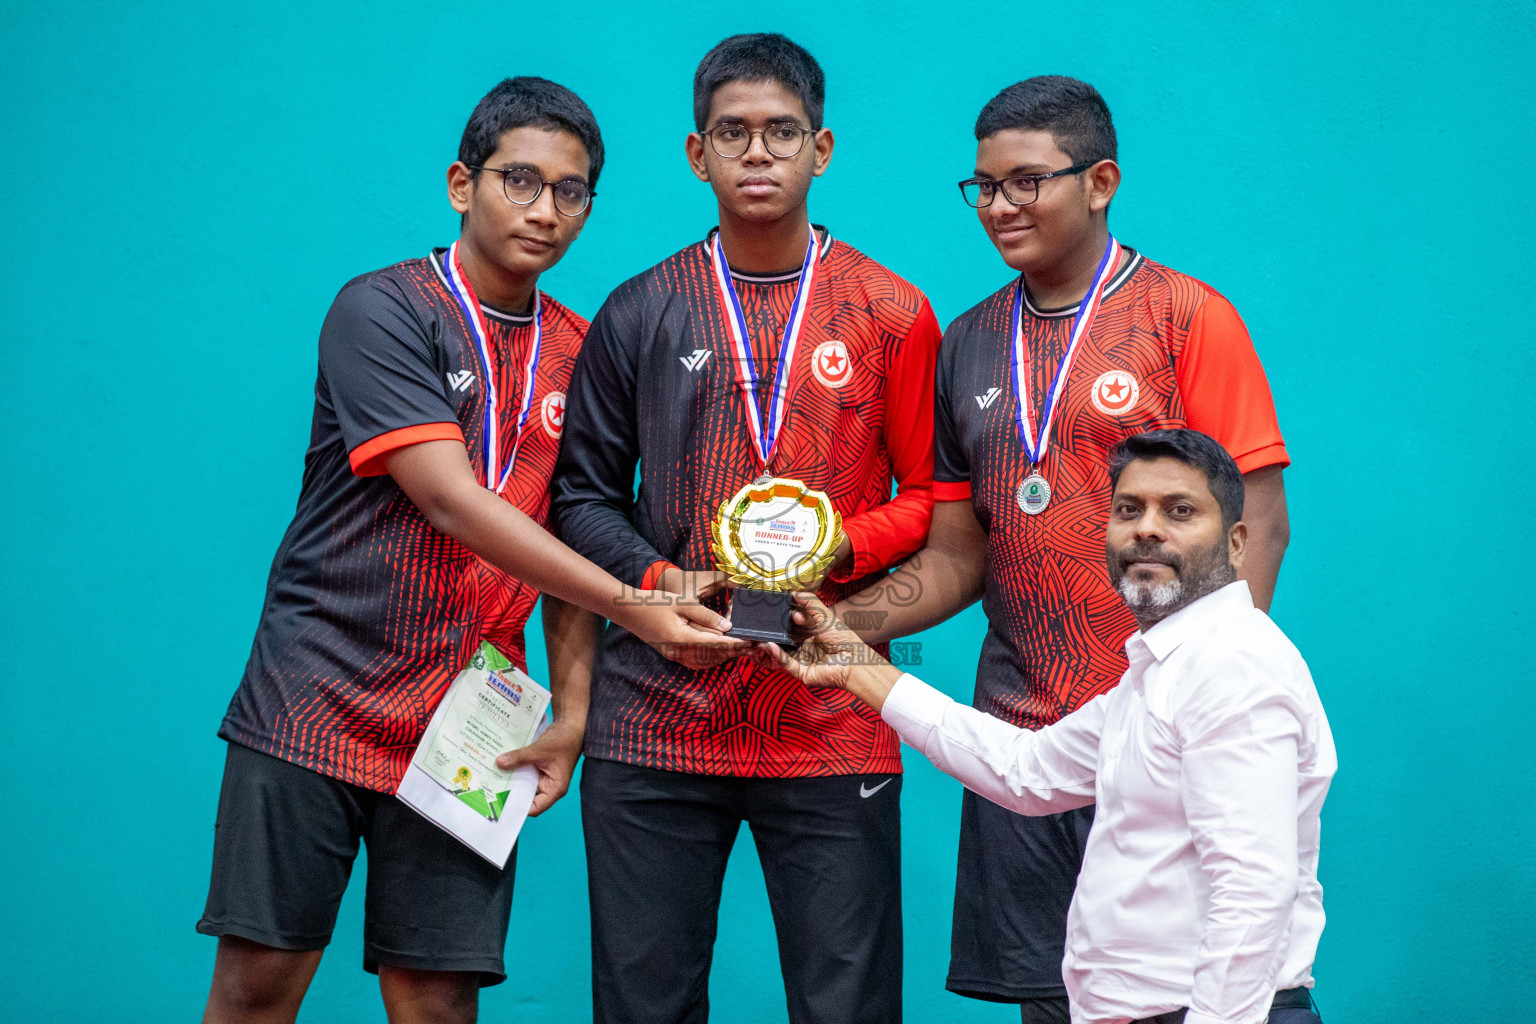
(592, 503)
(379, 366)
(950, 464)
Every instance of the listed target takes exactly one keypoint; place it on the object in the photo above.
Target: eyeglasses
(1020, 190)
(782, 139)
(524, 187)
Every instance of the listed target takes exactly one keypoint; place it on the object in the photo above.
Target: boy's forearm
(929, 588)
(1269, 532)
(571, 638)
(944, 577)
(437, 477)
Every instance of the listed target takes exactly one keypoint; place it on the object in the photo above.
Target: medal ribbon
(1035, 443)
(464, 292)
(764, 427)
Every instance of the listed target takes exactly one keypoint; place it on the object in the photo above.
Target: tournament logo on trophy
(772, 537)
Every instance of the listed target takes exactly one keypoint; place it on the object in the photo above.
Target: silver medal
(1033, 494)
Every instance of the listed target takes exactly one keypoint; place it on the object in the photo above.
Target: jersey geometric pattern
(1056, 627)
(656, 384)
(369, 611)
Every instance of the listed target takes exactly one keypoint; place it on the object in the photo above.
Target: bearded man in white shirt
(1198, 901)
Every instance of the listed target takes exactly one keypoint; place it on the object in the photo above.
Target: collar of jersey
(788, 275)
(515, 319)
(1121, 276)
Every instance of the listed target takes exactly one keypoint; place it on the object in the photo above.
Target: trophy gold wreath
(772, 537)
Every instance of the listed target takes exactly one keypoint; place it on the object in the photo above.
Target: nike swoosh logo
(866, 792)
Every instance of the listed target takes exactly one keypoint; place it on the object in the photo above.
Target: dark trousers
(1292, 1006)
(657, 846)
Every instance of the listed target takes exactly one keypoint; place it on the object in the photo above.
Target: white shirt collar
(1165, 637)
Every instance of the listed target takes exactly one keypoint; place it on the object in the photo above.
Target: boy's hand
(684, 630)
(554, 754)
(697, 584)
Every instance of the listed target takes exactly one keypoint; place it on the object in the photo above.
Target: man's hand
(831, 655)
(827, 652)
(554, 754)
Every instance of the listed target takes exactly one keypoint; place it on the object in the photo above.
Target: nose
(1000, 210)
(757, 151)
(542, 209)
(1150, 525)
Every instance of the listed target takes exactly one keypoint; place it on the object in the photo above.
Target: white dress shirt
(1209, 763)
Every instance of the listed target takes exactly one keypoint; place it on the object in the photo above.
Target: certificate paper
(453, 780)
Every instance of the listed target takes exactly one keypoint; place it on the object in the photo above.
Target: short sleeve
(383, 382)
(1226, 394)
(951, 468)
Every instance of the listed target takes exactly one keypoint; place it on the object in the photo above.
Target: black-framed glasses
(782, 139)
(523, 187)
(1020, 190)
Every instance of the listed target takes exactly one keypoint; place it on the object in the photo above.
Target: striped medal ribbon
(1034, 494)
(464, 292)
(764, 426)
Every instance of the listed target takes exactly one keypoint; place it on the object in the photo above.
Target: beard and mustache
(1205, 570)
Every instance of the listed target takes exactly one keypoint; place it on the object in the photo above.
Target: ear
(1237, 545)
(695, 146)
(1102, 180)
(461, 185)
(823, 142)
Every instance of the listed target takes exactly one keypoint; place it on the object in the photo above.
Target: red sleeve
(367, 458)
(946, 490)
(653, 574)
(884, 535)
(1226, 394)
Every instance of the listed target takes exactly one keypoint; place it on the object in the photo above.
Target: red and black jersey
(369, 611)
(656, 385)
(1164, 350)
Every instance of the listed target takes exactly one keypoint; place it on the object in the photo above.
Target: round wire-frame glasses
(524, 187)
(782, 139)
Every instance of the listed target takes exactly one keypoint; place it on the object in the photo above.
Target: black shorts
(283, 849)
(657, 845)
(1013, 887)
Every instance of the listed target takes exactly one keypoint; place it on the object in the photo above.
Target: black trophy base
(761, 615)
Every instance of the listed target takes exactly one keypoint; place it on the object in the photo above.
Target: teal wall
(183, 188)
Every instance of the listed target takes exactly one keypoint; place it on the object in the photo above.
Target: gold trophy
(772, 537)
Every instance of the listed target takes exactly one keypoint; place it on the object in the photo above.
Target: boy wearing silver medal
(1088, 343)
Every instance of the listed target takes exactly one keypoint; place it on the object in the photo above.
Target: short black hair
(760, 57)
(1072, 111)
(529, 102)
(1193, 449)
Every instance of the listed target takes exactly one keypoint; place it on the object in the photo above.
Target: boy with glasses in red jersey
(768, 348)
(1089, 344)
(419, 533)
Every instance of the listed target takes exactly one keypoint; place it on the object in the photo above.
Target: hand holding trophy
(773, 537)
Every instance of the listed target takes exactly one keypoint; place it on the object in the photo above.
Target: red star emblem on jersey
(831, 365)
(1115, 393)
(552, 413)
